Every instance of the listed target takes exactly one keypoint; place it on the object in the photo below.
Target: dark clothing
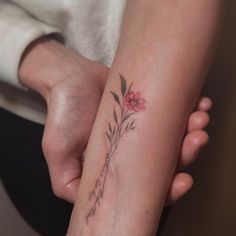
(25, 177)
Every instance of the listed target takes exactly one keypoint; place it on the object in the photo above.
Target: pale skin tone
(43, 70)
(60, 83)
(168, 71)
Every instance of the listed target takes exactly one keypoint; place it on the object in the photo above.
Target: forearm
(164, 50)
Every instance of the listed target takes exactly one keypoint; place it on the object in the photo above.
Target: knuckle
(45, 143)
(53, 146)
(58, 190)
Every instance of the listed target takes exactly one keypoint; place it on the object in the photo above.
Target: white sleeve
(17, 30)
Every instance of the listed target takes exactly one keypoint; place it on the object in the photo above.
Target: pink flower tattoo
(128, 103)
(134, 101)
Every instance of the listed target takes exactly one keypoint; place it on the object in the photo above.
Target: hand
(72, 87)
(195, 139)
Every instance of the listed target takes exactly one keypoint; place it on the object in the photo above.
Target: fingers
(180, 185)
(196, 138)
(64, 169)
(198, 120)
(204, 104)
(65, 180)
(193, 143)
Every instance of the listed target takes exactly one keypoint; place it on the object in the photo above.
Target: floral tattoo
(128, 103)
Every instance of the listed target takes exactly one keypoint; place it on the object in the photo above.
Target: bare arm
(164, 51)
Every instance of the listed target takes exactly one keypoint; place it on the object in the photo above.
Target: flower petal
(140, 107)
(141, 101)
(137, 96)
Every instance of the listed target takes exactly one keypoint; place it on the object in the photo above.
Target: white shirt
(91, 27)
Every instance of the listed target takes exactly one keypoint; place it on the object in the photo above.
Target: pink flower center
(133, 103)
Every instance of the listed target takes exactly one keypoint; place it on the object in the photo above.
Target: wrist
(41, 65)
(47, 63)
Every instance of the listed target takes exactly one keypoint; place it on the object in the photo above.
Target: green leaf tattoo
(123, 85)
(116, 97)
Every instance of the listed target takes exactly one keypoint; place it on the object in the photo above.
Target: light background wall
(210, 208)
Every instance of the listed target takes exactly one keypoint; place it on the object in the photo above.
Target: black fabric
(25, 177)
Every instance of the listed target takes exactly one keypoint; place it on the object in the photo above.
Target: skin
(168, 72)
(65, 80)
